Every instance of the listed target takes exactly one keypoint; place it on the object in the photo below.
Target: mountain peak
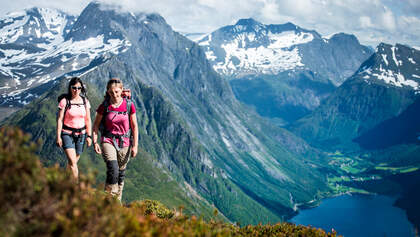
(290, 25)
(103, 6)
(393, 65)
(342, 35)
(247, 22)
(250, 47)
(382, 47)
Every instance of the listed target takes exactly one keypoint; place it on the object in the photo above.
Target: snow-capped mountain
(38, 45)
(250, 47)
(382, 88)
(394, 65)
(282, 70)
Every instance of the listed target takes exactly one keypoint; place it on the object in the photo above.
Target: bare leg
(72, 161)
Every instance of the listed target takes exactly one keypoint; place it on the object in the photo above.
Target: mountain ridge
(277, 39)
(40, 50)
(378, 91)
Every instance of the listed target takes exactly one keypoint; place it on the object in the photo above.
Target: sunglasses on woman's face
(76, 88)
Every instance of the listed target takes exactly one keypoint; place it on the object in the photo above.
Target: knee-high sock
(112, 175)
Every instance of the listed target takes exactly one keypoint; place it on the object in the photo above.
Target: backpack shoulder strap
(105, 103)
(85, 104)
(68, 105)
(129, 102)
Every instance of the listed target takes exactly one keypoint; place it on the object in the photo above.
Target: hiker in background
(117, 122)
(74, 123)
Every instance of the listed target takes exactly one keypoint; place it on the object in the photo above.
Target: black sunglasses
(76, 88)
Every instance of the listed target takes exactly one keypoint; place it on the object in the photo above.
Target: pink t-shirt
(117, 123)
(75, 117)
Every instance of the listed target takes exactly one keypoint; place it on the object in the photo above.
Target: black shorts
(70, 142)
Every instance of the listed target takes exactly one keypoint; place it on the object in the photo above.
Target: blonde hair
(113, 81)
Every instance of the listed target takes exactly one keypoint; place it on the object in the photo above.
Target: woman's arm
(98, 118)
(60, 119)
(88, 126)
(135, 131)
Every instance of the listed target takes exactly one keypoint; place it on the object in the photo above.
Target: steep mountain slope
(401, 129)
(284, 71)
(384, 86)
(38, 45)
(192, 128)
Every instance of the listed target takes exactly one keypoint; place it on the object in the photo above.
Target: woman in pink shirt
(119, 135)
(74, 123)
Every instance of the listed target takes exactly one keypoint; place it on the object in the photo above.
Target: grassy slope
(39, 201)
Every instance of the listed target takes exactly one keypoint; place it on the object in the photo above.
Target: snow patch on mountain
(384, 58)
(49, 26)
(411, 60)
(288, 39)
(92, 48)
(11, 32)
(391, 77)
(241, 53)
(394, 65)
(264, 60)
(33, 50)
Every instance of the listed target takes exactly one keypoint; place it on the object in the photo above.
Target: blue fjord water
(358, 215)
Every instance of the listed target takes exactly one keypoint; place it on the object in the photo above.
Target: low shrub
(38, 201)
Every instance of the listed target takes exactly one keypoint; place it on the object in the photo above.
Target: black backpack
(108, 134)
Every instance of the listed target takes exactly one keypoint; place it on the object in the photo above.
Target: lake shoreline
(403, 190)
(346, 211)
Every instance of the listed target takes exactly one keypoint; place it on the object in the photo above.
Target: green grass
(352, 170)
(348, 169)
(397, 169)
(39, 201)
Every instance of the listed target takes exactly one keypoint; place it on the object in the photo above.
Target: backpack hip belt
(120, 138)
(74, 130)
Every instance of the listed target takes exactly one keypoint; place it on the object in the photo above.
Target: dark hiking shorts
(70, 142)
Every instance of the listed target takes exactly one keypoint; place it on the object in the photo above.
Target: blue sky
(372, 21)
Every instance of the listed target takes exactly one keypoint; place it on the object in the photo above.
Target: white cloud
(371, 21)
(365, 22)
(388, 20)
